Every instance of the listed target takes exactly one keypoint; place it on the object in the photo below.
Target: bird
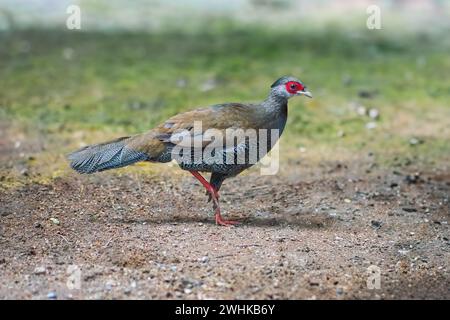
(186, 135)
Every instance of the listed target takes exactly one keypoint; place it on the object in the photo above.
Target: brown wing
(217, 117)
(195, 123)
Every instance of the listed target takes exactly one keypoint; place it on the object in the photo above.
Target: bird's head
(288, 87)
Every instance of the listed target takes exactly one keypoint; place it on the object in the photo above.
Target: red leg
(206, 184)
(215, 197)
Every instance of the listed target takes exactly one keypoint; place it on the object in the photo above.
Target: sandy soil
(308, 233)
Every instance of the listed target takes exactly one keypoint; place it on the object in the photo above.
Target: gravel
(296, 250)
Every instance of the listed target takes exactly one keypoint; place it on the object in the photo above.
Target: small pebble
(415, 141)
(374, 113)
(411, 179)
(341, 133)
(40, 270)
(52, 295)
(376, 224)
(361, 110)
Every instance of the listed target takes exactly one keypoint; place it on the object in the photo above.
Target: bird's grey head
(288, 87)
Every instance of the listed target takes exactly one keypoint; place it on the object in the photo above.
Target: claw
(222, 222)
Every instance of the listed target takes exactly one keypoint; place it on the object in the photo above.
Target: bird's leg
(216, 181)
(215, 198)
(209, 188)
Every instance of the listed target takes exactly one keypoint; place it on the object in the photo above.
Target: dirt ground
(311, 232)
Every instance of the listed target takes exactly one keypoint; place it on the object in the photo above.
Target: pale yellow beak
(305, 93)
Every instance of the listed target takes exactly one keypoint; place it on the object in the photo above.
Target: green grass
(126, 82)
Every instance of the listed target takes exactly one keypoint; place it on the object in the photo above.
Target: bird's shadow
(304, 221)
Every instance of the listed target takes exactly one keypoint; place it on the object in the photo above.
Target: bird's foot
(222, 222)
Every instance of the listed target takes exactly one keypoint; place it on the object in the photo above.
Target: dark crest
(283, 80)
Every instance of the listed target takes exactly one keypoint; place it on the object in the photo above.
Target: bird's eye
(293, 86)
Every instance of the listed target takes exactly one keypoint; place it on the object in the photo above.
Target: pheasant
(167, 141)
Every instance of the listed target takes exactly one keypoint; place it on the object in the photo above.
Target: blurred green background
(133, 64)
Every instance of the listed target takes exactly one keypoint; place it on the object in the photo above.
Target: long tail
(104, 156)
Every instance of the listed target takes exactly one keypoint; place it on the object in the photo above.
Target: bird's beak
(305, 93)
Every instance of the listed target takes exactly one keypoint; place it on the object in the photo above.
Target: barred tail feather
(104, 156)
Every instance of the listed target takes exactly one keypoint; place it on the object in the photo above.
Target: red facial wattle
(293, 87)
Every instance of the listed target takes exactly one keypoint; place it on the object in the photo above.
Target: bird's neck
(275, 104)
